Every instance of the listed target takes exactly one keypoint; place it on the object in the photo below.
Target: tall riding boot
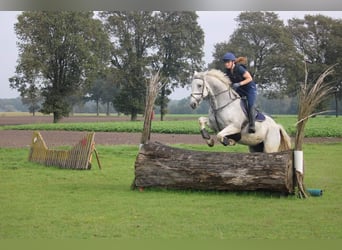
(251, 118)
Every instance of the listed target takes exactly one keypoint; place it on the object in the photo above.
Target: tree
(133, 37)
(31, 97)
(168, 42)
(29, 92)
(262, 38)
(95, 92)
(110, 90)
(103, 90)
(180, 42)
(319, 40)
(57, 51)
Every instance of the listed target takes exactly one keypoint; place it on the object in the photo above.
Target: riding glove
(235, 85)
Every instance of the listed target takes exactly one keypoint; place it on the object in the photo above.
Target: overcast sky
(217, 27)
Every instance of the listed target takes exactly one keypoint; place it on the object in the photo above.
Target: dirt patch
(22, 138)
(15, 120)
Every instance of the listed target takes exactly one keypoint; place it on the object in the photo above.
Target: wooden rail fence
(78, 157)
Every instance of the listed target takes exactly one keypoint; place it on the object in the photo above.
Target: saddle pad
(260, 117)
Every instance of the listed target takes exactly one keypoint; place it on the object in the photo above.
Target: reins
(213, 103)
(232, 96)
(228, 103)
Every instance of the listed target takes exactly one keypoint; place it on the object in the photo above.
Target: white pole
(298, 160)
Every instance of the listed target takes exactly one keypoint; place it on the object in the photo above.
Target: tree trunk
(161, 166)
(162, 103)
(97, 108)
(56, 117)
(134, 116)
(107, 113)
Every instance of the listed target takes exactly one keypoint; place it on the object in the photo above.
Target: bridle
(201, 94)
(233, 96)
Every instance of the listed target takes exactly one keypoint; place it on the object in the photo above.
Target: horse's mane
(219, 75)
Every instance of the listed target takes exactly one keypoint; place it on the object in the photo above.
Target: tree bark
(161, 166)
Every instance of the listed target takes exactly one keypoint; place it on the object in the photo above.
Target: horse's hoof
(210, 142)
(228, 141)
(231, 142)
(205, 134)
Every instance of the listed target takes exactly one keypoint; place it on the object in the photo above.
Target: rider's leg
(251, 118)
(251, 96)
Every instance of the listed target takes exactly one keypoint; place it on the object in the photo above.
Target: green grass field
(39, 202)
(320, 126)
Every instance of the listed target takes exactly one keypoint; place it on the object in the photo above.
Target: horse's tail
(285, 140)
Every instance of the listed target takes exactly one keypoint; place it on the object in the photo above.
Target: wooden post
(152, 88)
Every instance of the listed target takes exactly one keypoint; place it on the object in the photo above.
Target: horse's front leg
(229, 135)
(204, 121)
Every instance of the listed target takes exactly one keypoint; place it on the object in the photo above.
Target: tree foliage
(58, 50)
(95, 92)
(67, 55)
(133, 36)
(262, 38)
(170, 42)
(180, 42)
(32, 98)
(276, 52)
(319, 40)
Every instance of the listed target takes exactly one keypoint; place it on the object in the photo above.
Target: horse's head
(199, 89)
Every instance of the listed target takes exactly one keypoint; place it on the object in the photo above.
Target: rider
(243, 84)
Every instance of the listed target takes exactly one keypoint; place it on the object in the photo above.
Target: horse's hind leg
(229, 135)
(203, 121)
(272, 140)
(257, 148)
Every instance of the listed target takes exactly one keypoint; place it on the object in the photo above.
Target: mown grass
(39, 202)
(320, 126)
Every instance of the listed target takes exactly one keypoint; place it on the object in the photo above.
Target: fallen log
(161, 166)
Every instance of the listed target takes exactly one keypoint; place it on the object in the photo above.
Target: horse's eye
(199, 86)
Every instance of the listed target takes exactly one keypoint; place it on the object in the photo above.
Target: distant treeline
(270, 106)
(16, 105)
(286, 105)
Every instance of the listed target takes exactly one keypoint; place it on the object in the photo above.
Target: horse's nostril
(193, 105)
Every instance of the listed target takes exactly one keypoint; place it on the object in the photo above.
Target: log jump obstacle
(78, 157)
(158, 165)
(161, 166)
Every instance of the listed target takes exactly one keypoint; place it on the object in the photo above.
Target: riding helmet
(228, 57)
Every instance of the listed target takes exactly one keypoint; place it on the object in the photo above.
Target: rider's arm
(247, 78)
